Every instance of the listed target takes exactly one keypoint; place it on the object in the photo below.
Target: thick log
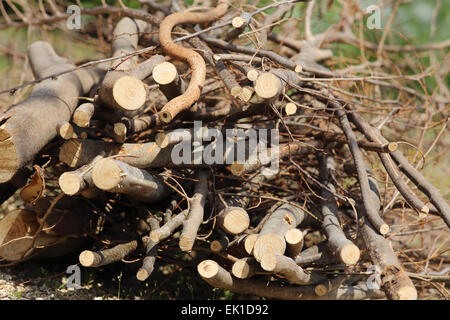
(28, 126)
(271, 237)
(76, 153)
(246, 267)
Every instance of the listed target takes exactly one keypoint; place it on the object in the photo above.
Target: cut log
(245, 268)
(74, 182)
(76, 153)
(83, 114)
(233, 220)
(294, 242)
(30, 125)
(271, 237)
(170, 83)
(268, 86)
(279, 263)
(344, 249)
(116, 176)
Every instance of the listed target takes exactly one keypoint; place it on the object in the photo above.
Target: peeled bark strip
(196, 62)
(76, 153)
(245, 268)
(271, 237)
(218, 277)
(233, 220)
(279, 263)
(169, 227)
(28, 126)
(74, 182)
(170, 83)
(195, 217)
(100, 258)
(343, 248)
(116, 176)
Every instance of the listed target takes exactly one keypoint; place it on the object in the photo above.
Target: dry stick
(233, 220)
(416, 177)
(196, 62)
(270, 20)
(100, 258)
(271, 237)
(371, 212)
(169, 227)
(343, 248)
(285, 150)
(218, 277)
(329, 285)
(28, 126)
(76, 153)
(239, 24)
(83, 114)
(246, 268)
(74, 182)
(294, 242)
(394, 280)
(166, 75)
(116, 176)
(120, 89)
(319, 254)
(151, 251)
(227, 77)
(195, 217)
(286, 266)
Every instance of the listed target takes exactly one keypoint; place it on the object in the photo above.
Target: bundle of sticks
(248, 155)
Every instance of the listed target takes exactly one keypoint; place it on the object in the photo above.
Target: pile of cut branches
(239, 143)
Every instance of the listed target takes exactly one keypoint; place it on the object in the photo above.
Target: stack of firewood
(95, 150)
